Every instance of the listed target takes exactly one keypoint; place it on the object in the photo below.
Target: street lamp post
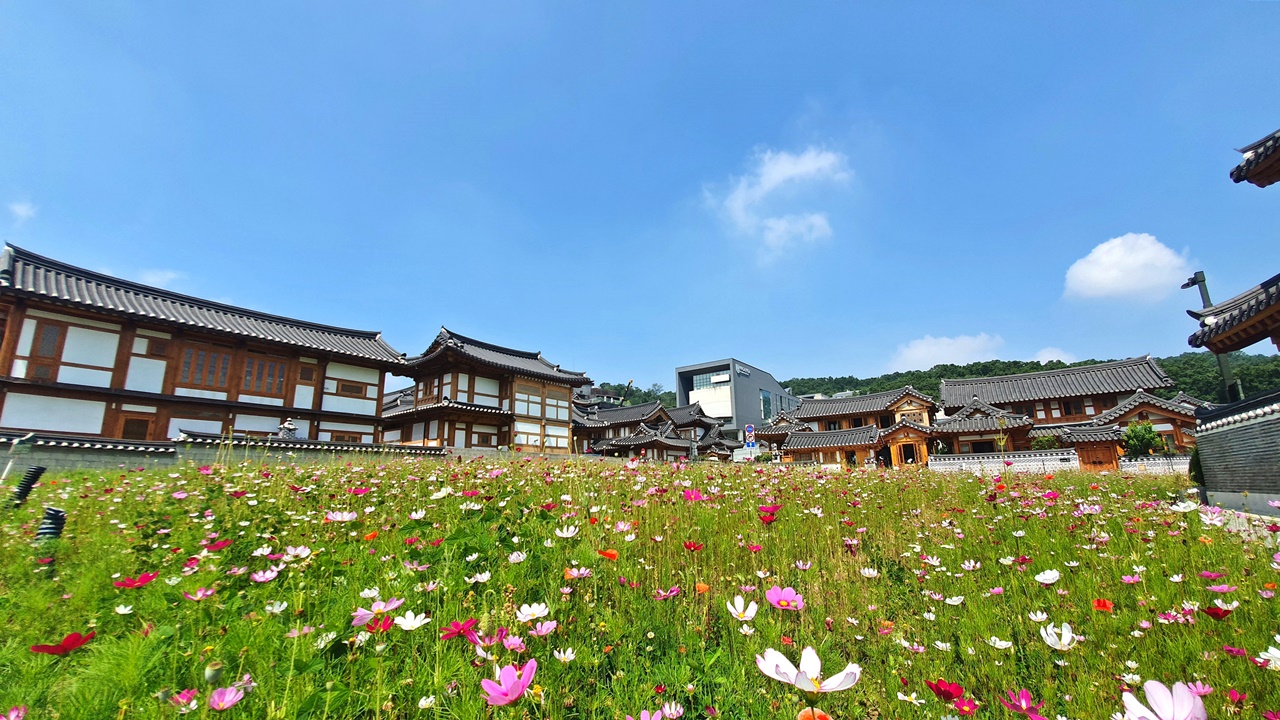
(1232, 388)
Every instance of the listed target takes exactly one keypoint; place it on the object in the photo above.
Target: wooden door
(1097, 457)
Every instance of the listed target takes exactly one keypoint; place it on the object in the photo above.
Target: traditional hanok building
(1069, 395)
(85, 353)
(903, 443)
(881, 409)
(774, 435)
(659, 432)
(473, 394)
(1252, 316)
(1260, 163)
(593, 425)
(979, 427)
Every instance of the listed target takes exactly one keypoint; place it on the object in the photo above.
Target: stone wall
(1240, 446)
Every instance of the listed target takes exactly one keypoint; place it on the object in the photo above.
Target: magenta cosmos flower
(1022, 703)
(224, 698)
(784, 598)
(1180, 703)
(511, 684)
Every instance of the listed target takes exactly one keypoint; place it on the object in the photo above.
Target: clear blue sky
(631, 187)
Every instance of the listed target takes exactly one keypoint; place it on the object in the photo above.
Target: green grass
(626, 642)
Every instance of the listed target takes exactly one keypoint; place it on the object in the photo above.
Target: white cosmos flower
(999, 644)
(472, 557)
(1038, 616)
(740, 610)
(277, 607)
(516, 557)
(427, 702)
(869, 572)
(529, 613)
(417, 515)
(1048, 577)
(944, 647)
(1006, 560)
(747, 630)
(1185, 506)
(565, 656)
(1175, 578)
(808, 677)
(370, 593)
(124, 609)
(1059, 638)
(409, 621)
(1178, 703)
(954, 600)
(567, 531)
(911, 699)
(482, 577)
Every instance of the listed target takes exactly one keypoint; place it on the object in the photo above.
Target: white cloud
(1132, 265)
(22, 212)
(1053, 353)
(159, 278)
(923, 353)
(756, 206)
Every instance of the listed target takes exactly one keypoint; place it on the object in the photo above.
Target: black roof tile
(857, 404)
(520, 362)
(1144, 398)
(1116, 376)
(866, 435)
(31, 275)
(1222, 317)
(1256, 155)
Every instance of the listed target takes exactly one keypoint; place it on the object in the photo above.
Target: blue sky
(816, 190)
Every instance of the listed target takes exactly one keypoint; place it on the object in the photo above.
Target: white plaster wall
(36, 412)
(304, 428)
(260, 400)
(485, 385)
(84, 376)
(303, 396)
(191, 392)
(716, 401)
(90, 347)
(257, 423)
(338, 403)
(19, 368)
(145, 375)
(208, 426)
(345, 427)
(352, 372)
(26, 337)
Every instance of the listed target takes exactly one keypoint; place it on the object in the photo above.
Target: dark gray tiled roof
(191, 436)
(1089, 433)
(1259, 164)
(1056, 430)
(520, 362)
(648, 435)
(1143, 398)
(1190, 400)
(714, 438)
(447, 405)
(978, 416)
(1222, 317)
(857, 404)
(691, 414)
(866, 435)
(782, 425)
(625, 415)
(1117, 376)
(31, 275)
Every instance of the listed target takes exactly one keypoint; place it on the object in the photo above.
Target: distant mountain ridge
(1195, 373)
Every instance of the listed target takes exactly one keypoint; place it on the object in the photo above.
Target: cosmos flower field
(575, 589)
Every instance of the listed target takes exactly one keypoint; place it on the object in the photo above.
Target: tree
(1048, 442)
(1141, 439)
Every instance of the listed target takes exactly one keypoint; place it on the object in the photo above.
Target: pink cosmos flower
(263, 576)
(544, 628)
(1177, 704)
(362, 616)
(667, 594)
(1022, 703)
(335, 516)
(1199, 689)
(225, 698)
(200, 594)
(183, 698)
(646, 715)
(1130, 579)
(1221, 588)
(784, 598)
(16, 713)
(466, 630)
(511, 683)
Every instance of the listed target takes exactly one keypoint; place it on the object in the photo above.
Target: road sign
(751, 444)
(750, 429)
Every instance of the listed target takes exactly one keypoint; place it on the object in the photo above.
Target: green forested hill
(1194, 372)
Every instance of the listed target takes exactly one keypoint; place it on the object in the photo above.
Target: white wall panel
(345, 427)
(75, 319)
(84, 376)
(304, 428)
(485, 385)
(90, 347)
(36, 412)
(352, 372)
(303, 396)
(338, 403)
(415, 432)
(192, 392)
(261, 400)
(138, 408)
(391, 436)
(145, 375)
(154, 333)
(257, 423)
(26, 337)
(19, 368)
(194, 425)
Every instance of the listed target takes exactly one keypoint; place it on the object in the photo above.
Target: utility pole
(1232, 389)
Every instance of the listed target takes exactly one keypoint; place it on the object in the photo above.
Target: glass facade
(703, 381)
